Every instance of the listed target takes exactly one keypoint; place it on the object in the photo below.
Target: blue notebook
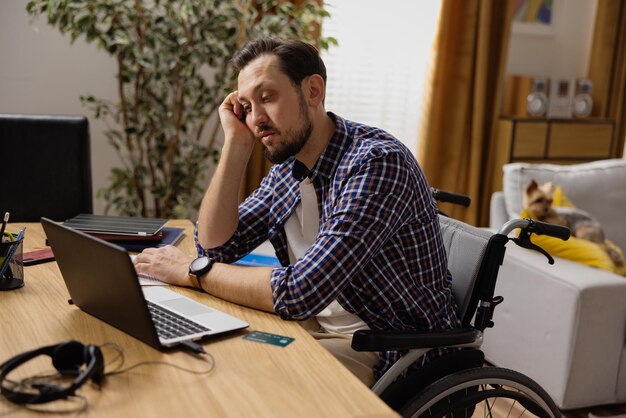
(171, 236)
(257, 260)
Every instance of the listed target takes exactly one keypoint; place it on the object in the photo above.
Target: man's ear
(315, 89)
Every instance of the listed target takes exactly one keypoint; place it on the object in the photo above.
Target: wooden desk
(249, 380)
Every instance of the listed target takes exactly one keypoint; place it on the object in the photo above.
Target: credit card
(267, 338)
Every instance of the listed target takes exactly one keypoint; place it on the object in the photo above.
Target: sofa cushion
(598, 187)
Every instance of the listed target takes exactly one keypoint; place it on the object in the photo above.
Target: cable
(53, 377)
(120, 356)
(45, 378)
(79, 410)
(196, 348)
(47, 410)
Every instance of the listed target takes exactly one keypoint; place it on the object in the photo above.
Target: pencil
(5, 220)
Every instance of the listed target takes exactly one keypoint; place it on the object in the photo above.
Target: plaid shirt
(379, 251)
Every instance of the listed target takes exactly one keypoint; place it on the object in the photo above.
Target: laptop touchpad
(186, 306)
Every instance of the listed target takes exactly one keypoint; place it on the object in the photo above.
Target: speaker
(68, 358)
(582, 102)
(561, 95)
(537, 100)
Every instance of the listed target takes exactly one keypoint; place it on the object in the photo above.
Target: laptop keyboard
(171, 325)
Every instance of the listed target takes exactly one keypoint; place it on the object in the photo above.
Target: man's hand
(233, 119)
(248, 286)
(168, 264)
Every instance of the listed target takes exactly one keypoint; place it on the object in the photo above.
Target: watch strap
(195, 281)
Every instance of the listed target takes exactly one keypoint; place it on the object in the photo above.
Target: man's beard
(294, 139)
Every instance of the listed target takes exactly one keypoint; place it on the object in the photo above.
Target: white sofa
(563, 325)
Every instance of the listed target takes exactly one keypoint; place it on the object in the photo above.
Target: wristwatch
(198, 268)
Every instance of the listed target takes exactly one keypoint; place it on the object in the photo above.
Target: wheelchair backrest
(465, 247)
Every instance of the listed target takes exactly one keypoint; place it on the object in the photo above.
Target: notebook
(102, 281)
(264, 255)
(258, 260)
(169, 236)
(120, 225)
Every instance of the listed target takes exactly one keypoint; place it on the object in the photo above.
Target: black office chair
(46, 167)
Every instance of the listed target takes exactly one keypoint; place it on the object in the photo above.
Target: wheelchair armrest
(370, 340)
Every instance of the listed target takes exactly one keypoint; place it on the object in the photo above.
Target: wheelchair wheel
(482, 391)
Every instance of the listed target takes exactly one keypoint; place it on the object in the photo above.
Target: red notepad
(30, 258)
(117, 237)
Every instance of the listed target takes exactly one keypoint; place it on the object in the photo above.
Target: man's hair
(297, 59)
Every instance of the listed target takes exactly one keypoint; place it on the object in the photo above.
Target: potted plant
(172, 73)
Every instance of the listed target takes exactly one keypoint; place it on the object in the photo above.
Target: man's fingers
(147, 251)
(232, 103)
(143, 258)
(168, 264)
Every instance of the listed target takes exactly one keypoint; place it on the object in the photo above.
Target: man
(346, 207)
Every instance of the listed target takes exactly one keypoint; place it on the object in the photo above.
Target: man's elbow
(209, 240)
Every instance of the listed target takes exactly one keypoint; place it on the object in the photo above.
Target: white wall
(371, 91)
(41, 73)
(565, 52)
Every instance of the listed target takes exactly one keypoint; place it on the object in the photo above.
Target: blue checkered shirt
(379, 251)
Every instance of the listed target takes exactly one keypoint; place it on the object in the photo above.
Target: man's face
(276, 110)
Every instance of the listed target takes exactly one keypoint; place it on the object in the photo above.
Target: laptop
(102, 281)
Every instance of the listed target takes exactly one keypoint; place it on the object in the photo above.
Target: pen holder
(11, 266)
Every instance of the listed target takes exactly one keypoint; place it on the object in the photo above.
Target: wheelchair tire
(488, 391)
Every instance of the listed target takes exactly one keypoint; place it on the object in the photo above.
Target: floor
(599, 411)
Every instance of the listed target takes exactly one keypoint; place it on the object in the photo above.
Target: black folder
(120, 225)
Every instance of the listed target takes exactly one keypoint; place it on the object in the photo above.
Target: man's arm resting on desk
(248, 286)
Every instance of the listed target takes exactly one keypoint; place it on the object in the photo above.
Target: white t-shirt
(301, 229)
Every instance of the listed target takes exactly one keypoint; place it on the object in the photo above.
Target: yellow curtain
(607, 68)
(458, 133)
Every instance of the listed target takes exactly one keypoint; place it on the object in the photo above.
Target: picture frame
(534, 17)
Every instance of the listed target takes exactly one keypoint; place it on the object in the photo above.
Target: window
(378, 72)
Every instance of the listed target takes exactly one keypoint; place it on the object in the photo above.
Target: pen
(5, 220)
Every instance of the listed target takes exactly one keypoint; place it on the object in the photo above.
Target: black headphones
(68, 358)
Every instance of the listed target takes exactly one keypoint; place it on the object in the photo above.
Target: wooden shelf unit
(558, 141)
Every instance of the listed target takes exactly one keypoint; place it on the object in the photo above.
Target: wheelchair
(457, 383)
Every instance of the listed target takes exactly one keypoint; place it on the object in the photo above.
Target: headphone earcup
(93, 353)
(68, 357)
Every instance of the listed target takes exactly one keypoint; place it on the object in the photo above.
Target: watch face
(199, 264)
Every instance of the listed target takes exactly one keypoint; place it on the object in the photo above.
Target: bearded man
(346, 207)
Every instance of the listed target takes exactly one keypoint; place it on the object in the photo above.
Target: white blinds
(377, 73)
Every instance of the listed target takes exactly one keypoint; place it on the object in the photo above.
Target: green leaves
(173, 71)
